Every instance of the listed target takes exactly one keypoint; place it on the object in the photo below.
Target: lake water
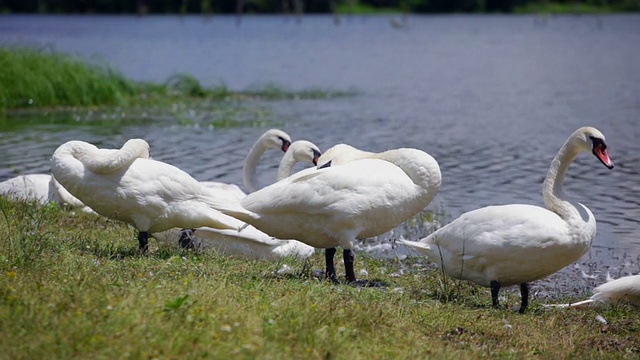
(492, 98)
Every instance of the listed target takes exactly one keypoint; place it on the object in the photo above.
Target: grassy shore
(45, 79)
(73, 285)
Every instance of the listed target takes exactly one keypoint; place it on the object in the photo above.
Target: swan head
(137, 146)
(341, 154)
(305, 151)
(591, 139)
(275, 139)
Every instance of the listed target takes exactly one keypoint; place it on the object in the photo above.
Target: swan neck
(552, 193)
(421, 168)
(250, 165)
(286, 165)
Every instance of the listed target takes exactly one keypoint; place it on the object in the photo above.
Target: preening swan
(624, 289)
(41, 188)
(334, 206)
(125, 185)
(514, 244)
(250, 242)
(271, 139)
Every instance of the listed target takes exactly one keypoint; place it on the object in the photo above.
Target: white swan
(41, 188)
(334, 206)
(250, 242)
(28, 187)
(624, 289)
(515, 244)
(273, 138)
(270, 139)
(125, 185)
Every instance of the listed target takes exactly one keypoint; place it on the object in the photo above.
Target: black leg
(524, 293)
(186, 240)
(349, 259)
(495, 289)
(331, 270)
(143, 240)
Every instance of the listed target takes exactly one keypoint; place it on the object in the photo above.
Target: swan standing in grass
(506, 245)
(125, 185)
(271, 139)
(624, 289)
(333, 206)
(250, 242)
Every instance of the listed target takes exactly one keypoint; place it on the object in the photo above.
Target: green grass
(45, 79)
(73, 285)
(37, 77)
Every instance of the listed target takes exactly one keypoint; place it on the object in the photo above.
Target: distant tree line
(279, 6)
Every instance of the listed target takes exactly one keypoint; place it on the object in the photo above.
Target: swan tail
(231, 208)
(579, 304)
(417, 245)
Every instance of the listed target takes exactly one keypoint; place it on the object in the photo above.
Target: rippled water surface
(492, 98)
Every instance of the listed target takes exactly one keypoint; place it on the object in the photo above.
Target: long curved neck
(552, 192)
(421, 168)
(286, 164)
(250, 165)
(105, 161)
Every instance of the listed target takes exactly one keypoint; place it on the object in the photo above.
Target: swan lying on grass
(41, 188)
(625, 289)
(506, 245)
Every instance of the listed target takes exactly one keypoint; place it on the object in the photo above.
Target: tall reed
(32, 77)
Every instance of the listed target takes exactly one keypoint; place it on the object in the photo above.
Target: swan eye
(285, 143)
(316, 156)
(598, 144)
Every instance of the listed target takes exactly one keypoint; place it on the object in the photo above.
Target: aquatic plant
(39, 77)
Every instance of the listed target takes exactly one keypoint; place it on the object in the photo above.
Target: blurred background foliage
(311, 6)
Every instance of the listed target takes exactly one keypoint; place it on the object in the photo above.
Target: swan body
(333, 206)
(250, 242)
(63, 197)
(41, 188)
(514, 244)
(624, 289)
(28, 187)
(126, 185)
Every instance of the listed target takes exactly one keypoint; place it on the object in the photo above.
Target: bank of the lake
(42, 79)
(73, 285)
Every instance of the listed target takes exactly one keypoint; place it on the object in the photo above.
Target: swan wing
(625, 288)
(230, 192)
(485, 244)
(348, 189)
